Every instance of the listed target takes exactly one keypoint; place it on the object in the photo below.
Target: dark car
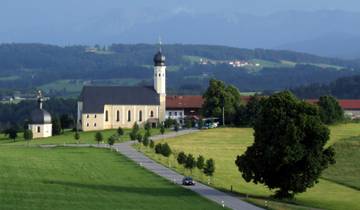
(188, 181)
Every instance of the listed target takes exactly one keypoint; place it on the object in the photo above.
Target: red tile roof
(181, 102)
(346, 104)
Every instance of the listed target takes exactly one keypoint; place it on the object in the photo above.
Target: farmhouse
(180, 107)
(108, 107)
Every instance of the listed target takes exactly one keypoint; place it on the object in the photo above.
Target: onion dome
(40, 116)
(159, 59)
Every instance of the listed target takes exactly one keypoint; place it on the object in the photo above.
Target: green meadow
(338, 189)
(85, 178)
(68, 138)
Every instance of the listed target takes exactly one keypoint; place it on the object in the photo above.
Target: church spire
(40, 99)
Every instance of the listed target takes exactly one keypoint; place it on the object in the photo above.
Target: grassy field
(347, 163)
(68, 138)
(85, 178)
(225, 144)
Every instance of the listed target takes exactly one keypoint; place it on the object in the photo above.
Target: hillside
(62, 71)
(343, 88)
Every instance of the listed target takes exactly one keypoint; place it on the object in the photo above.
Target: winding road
(225, 199)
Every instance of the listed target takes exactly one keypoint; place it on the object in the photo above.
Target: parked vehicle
(187, 181)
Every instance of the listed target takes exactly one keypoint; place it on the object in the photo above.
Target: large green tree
(219, 96)
(330, 110)
(289, 151)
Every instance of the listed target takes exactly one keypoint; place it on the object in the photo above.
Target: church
(111, 107)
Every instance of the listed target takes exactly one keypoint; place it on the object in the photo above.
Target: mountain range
(323, 32)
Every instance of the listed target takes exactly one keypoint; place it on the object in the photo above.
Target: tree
(12, 132)
(28, 135)
(176, 127)
(77, 137)
(169, 122)
(209, 167)
(145, 140)
(246, 115)
(181, 158)
(56, 126)
(134, 132)
(158, 148)
(111, 140)
(147, 126)
(152, 144)
(162, 129)
(120, 131)
(190, 162)
(139, 137)
(200, 162)
(288, 155)
(200, 124)
(66, 121)
(187, 122)
(98, 137)
(221, 100)
(166, 150)
(330, 110)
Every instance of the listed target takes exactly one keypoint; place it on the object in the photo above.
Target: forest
(342, 88)
(27, 67)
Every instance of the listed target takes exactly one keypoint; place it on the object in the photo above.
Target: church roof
(95, 97)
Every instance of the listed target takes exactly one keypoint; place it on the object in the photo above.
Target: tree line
(343, 88)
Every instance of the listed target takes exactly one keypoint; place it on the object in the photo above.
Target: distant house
(181, 107)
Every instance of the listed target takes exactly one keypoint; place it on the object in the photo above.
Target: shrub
(166, 150)
(145, 141)
(158, 148)
(200, 162)
(181, 158)
(28, 135)
(120, 131)
(112, 139)
(98, 137)
(139, 137)
(152, 144)
(209, 168)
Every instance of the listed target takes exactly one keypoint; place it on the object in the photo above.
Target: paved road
(219, 197)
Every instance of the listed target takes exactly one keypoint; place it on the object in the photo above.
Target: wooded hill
(62, 71)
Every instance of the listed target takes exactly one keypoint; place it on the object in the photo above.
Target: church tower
(160, 73)
(160, 82)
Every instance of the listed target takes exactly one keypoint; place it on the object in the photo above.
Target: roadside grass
(347, 165)
(224, 144)
(68, 138)
(34, 178)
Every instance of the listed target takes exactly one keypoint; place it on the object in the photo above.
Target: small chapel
(40, 120)
(111, 107)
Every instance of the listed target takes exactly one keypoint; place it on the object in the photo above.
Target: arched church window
(38, 129)
(129, 116)
(152, 114)
(118, 116)
(106, 115)
(140, 116)
(159, 75)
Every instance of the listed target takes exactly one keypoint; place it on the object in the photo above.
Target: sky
(67, 22)
(87, 7)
